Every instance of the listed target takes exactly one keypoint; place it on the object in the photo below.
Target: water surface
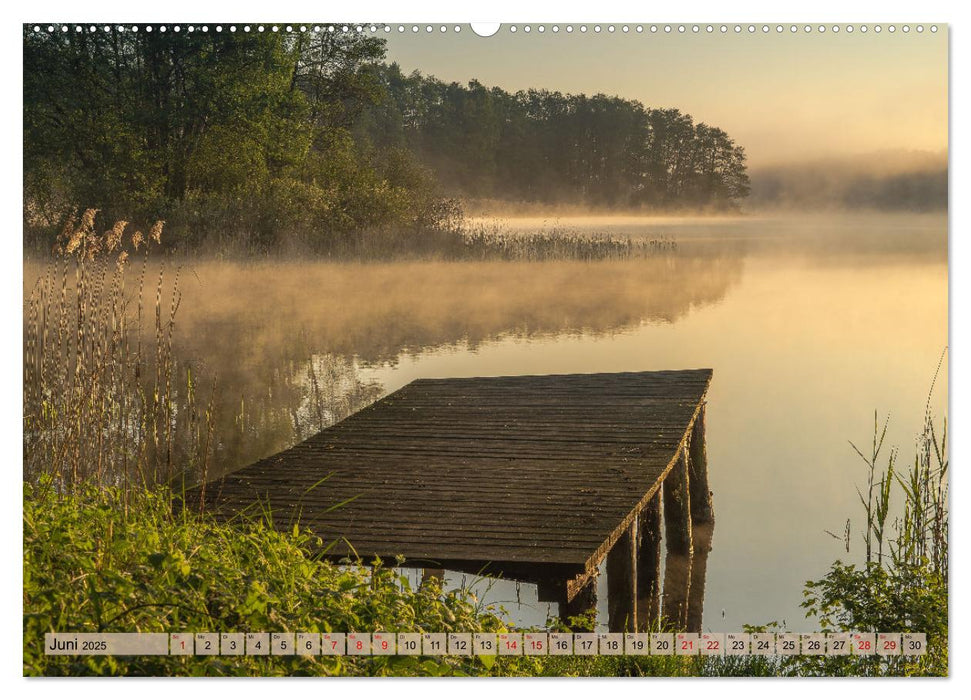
(810, 323)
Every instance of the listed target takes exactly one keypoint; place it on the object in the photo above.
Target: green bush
(96, 562)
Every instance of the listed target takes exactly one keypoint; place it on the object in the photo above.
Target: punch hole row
(247, 28)
(541, 29)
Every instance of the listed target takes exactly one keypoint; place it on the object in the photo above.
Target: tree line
(260, 139)
(543, 146)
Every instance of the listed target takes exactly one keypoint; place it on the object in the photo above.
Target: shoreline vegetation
(459, 240)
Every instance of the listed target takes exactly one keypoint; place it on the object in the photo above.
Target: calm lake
(810, 323)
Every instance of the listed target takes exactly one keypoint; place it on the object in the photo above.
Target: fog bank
(890, 180)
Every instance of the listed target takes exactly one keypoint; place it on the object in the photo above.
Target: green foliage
(96, 561)
(236, 140)
(878, 598)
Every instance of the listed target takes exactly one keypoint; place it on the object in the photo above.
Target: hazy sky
(781, 96)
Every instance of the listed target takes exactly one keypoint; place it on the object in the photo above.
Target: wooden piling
(677, 588)
(677, 507)
(622, 583)
(428, 574)
(701, 505)
(649, 563)
(582, 604)
(699, 567)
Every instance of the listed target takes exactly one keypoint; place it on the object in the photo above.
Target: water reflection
(852, 318)
(671, 585)
(292, 346)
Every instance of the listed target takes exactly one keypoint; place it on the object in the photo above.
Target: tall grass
(105, 400)
(921, 528)
(902, 585)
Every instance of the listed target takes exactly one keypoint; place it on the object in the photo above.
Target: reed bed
(485, 244)
(460, 240)
(105, 400)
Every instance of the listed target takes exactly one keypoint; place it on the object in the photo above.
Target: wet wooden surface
(516, 471)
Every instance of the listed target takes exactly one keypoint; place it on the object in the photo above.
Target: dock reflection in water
(669, 584)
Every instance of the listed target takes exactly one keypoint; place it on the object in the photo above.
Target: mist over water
(831, 319)
(810, 323)
(889, 181)
(826, 236)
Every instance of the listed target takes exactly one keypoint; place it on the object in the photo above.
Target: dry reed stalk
(88, 402)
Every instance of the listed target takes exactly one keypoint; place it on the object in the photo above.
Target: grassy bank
(98, 561)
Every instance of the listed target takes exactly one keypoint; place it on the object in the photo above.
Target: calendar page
(611, 349)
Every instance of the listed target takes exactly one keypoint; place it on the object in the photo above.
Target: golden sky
(782, 96)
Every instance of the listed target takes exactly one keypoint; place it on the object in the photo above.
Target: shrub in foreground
(97, 562)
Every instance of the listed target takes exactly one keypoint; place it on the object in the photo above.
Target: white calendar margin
(440, 10)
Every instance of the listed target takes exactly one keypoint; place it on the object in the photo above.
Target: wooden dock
(536, 478)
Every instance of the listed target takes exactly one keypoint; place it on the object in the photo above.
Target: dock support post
(701, 507)
(583, 603)
(677, 588)
(649, 563)
(677, 506)
(428, 574)
(699, 567)
(622, 582)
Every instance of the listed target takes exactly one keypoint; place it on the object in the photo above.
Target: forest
(260, 141)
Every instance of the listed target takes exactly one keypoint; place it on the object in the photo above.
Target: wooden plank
(529, 470)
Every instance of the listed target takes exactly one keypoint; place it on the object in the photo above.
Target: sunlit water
(809, 323)
(802, 356)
